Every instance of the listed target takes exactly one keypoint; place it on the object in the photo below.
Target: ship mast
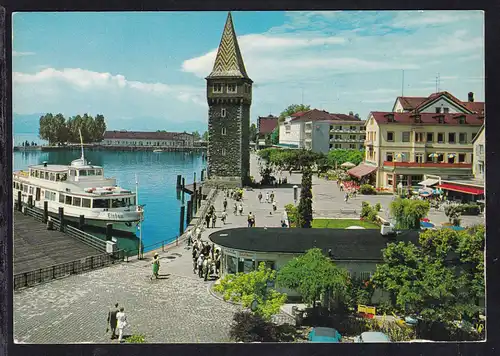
(81, 142)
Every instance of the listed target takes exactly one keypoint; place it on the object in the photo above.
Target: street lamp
(295, 193)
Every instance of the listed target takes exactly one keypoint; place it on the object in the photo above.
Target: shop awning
(429, 182)
(462, 188)
(361, 170)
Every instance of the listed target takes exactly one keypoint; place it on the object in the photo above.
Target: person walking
(214, 220)
(217, 263)
(200, 265)
(272, 196)
(235, 208)
(121, 323)
(156, 266)
(241, 209)
(207, 220)
(267, 197)
(275, 206)
(250, 219)
(206, 267)
(346, 197)
(225, 204)
(260, 197)
(112, 321)
(223, 217)
(195, 258)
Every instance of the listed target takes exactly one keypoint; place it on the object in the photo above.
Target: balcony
(427, 165)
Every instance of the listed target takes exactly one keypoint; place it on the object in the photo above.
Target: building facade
(479, 162)
(229, 96)
(321, 131)
(441, 102)
(405, 146)
(156, 139)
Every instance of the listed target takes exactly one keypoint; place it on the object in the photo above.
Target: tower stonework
(229, 95)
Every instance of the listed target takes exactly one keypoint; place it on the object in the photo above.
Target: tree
(100, 128)
(453, 213)
(254, 135)
(196, 135)
(248, 327)
(292, 109)
(275, 136)
(247, 287)
(304, 209)
(312, 275)
(56, 129)
(408, 213)
(338, 157)
(205, 136)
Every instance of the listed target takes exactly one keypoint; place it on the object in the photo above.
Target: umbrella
(347, 165)
(426, 224)
(456, 228)
(425, 193)
(425, 219)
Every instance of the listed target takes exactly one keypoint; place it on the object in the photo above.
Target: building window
(217, 88)
(389, 156)
(231, 88)
(481, 168)
(481, 149)
(223, 151)
(338, 145)
(440, 138)
(390, 136)
(224, 131)
(419, 157)
(461, 158)
(440, 157)
(462, 137)
(438, 110)
(441, 120)
(361, 147)
(406, 136)
(352, 137)
(451, 137)
(430, 136)
(446, 110)
(353, 128)
(419, 137)
(451, 158)
(389, 180)
(352, 146)
(338, 137)
(461, 120)
(223, 112)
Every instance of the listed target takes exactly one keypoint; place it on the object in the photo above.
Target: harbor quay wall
(94, 147)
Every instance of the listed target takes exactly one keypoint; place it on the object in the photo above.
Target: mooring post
(182, 191)
(81, 222)
(109, 231)
(19, 201)
(202, 176)
(189, 212)
(61, 218)
(179, 181)
(45, 211)
(193, 197)
(181, 220)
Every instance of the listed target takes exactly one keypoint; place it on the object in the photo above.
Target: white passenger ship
(80, 189)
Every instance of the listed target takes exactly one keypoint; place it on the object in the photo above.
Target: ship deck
(36, 247)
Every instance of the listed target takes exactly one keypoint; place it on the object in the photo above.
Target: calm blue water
(157, 176)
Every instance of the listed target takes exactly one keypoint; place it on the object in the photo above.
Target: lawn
(341, 223)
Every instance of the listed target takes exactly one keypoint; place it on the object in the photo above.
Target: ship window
(82, 173)
(85, 203)
(32, 173)
(64, 176)
(91, 172)
(58, 177)
(68, 199)
(52, 176)
(72, 173)
(132, 200)
(61, 198)
(77, 201)
(118, 203)
(100, 203)
(47, 175)
(36, 174)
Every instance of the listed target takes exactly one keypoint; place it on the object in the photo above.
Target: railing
(427, 165)
(80, 235)
(42, 275)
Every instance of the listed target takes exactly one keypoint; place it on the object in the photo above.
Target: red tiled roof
(435, 96)
(141, 135)
(297, 114)
(361, 170)
(427, 118)
(411, 102)
(462, 188)
(474, 106)
(316, 115)
(267, 124)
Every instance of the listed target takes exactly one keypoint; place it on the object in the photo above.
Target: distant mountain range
(28, 124)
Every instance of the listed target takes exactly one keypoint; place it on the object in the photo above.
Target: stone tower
(229, 95)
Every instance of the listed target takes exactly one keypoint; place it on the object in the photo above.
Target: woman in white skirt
(121, 323)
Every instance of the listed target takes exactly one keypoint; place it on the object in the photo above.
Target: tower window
(217, 88)
(231, 88)
(223, 151)
(223, 112)
(224, 131)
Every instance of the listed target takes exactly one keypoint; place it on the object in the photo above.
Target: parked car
(321, 334)
(372, 336)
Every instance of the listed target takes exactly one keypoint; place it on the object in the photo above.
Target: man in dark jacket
(112, 321)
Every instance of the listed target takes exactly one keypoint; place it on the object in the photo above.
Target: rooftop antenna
(302, 96)
(81, 142)
(438, 82)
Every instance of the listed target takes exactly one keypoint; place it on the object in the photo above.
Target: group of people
(117, 320)
(211, 216)
(349, 188)
(206, 259)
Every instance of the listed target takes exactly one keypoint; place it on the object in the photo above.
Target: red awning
(462, 188)
(361, 170)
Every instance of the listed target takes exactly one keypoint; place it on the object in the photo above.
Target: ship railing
(47, 274)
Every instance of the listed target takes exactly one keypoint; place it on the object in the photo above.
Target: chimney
(389, 117)
(471, 97)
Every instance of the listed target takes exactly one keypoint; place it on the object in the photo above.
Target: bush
(470, 209)
(136, 339)
(367, 189)
(370, 213)
(291, 211)
(248, 327)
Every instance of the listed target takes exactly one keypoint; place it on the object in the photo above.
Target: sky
(146, 70)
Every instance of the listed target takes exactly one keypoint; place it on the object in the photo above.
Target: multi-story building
(442, 102)
(265, 126)
(403, 147)
(154, 139)
(320, 131)
(478, 162)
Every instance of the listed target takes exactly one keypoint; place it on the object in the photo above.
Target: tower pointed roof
(229, 62)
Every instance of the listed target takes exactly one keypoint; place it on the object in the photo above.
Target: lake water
(157, 176)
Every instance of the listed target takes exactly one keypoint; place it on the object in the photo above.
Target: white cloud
(21, 54)
(426, 18)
